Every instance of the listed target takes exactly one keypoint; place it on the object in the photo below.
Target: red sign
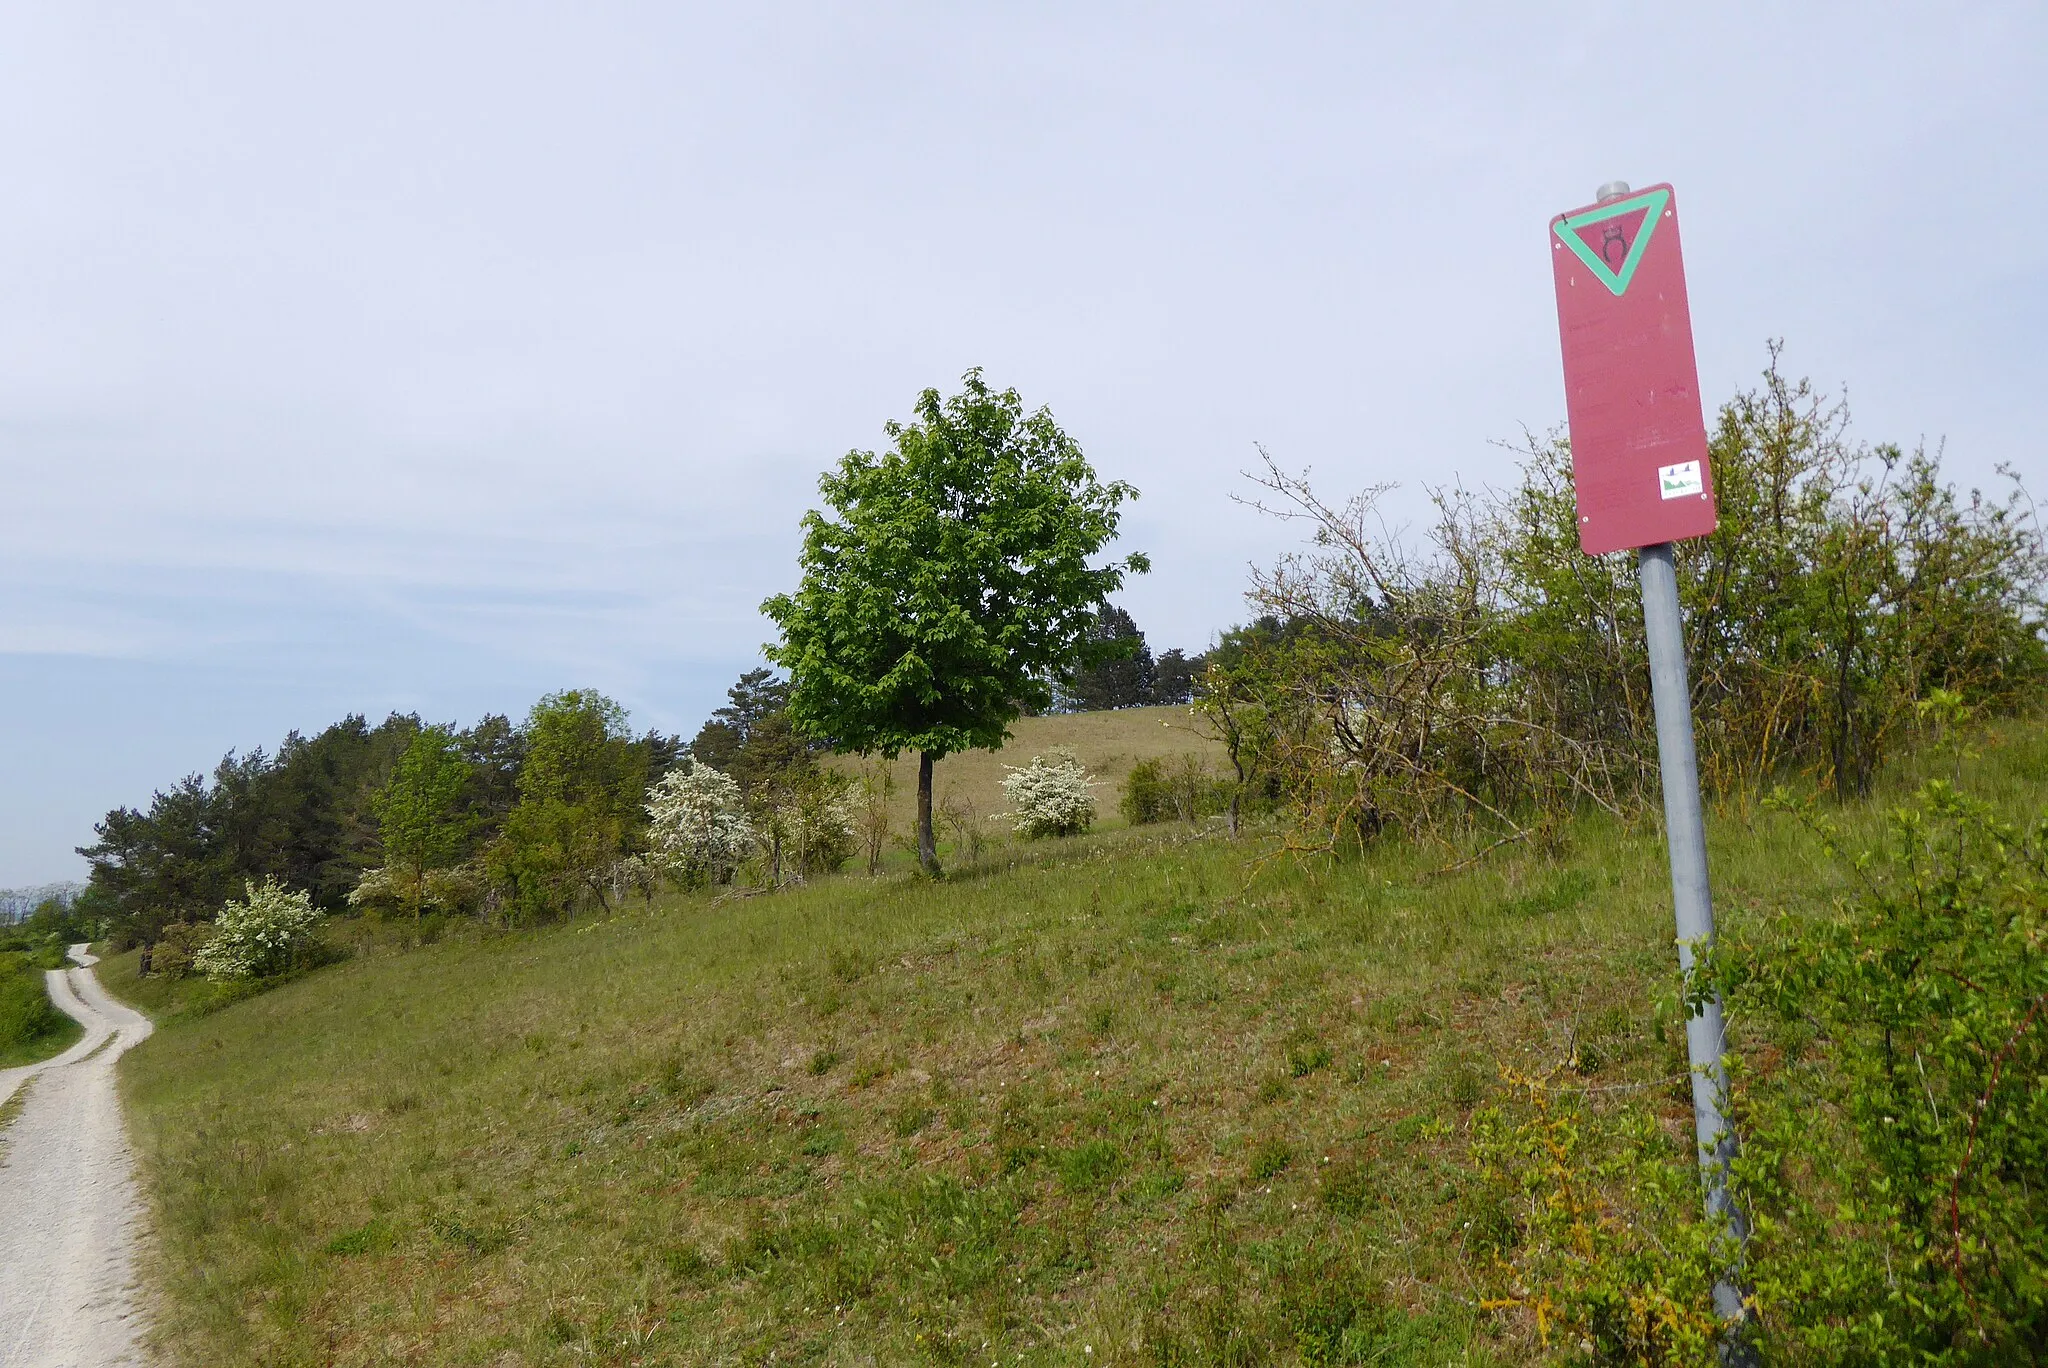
(1631, 387)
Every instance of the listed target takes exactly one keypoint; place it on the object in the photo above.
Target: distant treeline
(1133, 678)
(523, 819)
(17, 903)
(314, 814)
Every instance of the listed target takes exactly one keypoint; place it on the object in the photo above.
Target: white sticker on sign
(1681, 479)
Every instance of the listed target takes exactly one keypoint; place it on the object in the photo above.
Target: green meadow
(1145, 1097)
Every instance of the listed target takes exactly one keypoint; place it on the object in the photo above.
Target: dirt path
(69, 1209)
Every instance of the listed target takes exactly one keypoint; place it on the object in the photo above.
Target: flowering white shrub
(700, 822)
(1050, 796)
(259, 937)
(376, 890)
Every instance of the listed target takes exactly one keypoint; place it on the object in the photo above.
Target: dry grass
(1107, 744)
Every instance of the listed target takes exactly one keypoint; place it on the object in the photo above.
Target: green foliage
(1892, 1106)
(1895, 1132)
(177, 947)
(269, 932)
(757, 696)
(580, 811)
(949, 581)
(1179, 788)
(1123, 675)
(1843, 584)
(803, 820)
(31, 1027)
(1495, 677)
(1593, 1224)
(422, 819)
(307, 817)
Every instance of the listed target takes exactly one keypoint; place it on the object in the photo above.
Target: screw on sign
(1640, 474)
(1632, 390)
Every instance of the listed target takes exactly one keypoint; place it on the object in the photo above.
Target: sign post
(1641, 478)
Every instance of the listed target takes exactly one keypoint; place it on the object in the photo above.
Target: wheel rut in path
(70, 1210)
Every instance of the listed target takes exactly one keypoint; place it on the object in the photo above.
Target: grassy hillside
(1138, 1099)
(1107, 743)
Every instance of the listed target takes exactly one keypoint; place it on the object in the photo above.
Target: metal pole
(1685, 834)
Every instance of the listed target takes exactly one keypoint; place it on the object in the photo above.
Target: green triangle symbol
(1614, 277)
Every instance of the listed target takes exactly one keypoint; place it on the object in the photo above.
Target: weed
(373, 1237)
(848, 964)
(1564, 891)
(1269, 1158)
(1089, 1167)
(1306, 1059)
(1348, 1188)
(476, 1239)
(909, 1120)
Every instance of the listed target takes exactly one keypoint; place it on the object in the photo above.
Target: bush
(1050, 796)
(387, 891)
(1145, 797)
(1593, 1222)
(803, 822)
(1894, 1126)
(269, 933)
(1491, 676)
(1895, 1161)
(177, 946)
(700, 825)
(1181, 788)
(26, 1013)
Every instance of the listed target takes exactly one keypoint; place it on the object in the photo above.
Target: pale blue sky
(431, 356)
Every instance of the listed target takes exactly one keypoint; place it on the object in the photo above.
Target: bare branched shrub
(1487, 675)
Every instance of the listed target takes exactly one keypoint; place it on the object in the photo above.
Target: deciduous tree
(421, 812)
(947, 584)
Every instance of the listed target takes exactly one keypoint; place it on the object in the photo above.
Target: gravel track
(70, 1211)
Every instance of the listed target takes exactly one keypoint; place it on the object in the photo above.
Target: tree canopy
(949, 582)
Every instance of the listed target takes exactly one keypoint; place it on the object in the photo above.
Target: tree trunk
(142, 966)
(927, 845)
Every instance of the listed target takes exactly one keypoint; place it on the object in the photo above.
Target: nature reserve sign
(1632, 390)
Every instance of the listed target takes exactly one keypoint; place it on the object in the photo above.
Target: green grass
(1135, 1099)
(31, 1027)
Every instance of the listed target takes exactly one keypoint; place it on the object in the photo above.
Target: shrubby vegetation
(1894, 1112)
(1051, 796)
(1178, 789)
(1891, 1094)
(31, 1027)
(700, 825)
(1492, 678)
(270, 931)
